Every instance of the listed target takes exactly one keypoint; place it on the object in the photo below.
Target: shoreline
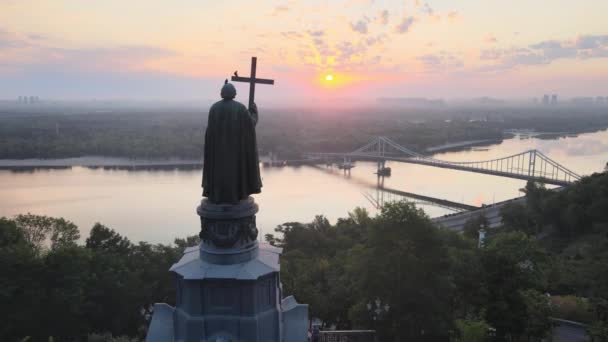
(121, 163)
(97, 162)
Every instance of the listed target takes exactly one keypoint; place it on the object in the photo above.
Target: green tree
(472, 330)
(473, 225)
(21, 290)
(405, 264)
(516, 217)
(538, 313)
(42, 231)
(512, 263)
(599, 329)
(66, 280)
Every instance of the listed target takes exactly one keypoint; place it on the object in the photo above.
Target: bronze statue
(231, 170)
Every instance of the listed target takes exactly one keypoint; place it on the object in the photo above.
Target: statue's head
(228, 91)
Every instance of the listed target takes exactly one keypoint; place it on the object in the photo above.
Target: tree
(538, 313)
(40, 231)
(21, 286)
(102, 238)
(67, 282)
(472, 330)
(599, 329)
(516, 217)
(512, 263)
(405, 264)
(474, 225)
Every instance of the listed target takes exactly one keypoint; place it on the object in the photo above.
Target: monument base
(228, 287)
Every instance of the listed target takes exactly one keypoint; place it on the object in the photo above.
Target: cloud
(405, 25)
(545, 52)
(360, 26)
(453, 15)
(13, 40)
(292, 35)
(383, 17)
(376, 39)
(491, 39)
(280, 9)
(319, 33)
(442, 61)
(426, 9)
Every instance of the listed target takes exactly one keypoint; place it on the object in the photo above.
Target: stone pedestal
(228, 287)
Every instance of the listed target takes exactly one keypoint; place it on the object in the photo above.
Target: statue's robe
(231, 170)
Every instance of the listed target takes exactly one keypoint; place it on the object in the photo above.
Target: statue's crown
(228, 90)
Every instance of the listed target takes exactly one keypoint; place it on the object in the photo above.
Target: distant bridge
(528, 165)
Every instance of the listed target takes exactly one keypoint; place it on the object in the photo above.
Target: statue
(228, 287)
(231, 170)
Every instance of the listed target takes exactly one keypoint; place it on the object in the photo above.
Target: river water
(158, 206)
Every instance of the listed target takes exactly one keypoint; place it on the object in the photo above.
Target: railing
(347, 336)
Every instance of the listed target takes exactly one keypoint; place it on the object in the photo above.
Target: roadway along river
(158, 206)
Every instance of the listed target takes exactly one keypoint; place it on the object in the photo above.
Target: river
(158, 206)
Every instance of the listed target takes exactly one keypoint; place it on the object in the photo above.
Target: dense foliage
(52, 286)
(440, 284)
(437, 283)
(58, 132)
(434, 284)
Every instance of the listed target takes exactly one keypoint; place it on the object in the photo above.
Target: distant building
(554, 99)
(583, 101)
(412, 101)
(545, 99)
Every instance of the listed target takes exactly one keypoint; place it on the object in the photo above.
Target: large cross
(251, 80)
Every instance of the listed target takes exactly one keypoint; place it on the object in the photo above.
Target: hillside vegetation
(550, 259)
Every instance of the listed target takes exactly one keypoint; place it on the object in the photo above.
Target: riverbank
(171, 163)
(459, 146)
(97, 162)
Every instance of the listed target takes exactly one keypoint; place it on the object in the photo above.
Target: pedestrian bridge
(527, 165)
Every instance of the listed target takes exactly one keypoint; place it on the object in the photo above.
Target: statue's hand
(253, 108)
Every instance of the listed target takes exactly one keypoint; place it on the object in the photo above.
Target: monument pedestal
(228, 287)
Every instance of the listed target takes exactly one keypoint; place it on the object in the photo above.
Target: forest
(178, 133)
(548, 260)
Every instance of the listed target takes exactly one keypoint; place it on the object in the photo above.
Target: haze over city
(147, 50)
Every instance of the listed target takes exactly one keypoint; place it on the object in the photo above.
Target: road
(457, 221)
(567, 331)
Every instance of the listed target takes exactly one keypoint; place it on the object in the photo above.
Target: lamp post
(377, 310)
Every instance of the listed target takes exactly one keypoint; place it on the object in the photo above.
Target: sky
(184, 49)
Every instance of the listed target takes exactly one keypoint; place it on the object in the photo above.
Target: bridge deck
(445, 165)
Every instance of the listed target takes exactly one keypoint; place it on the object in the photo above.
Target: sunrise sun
(329, 77)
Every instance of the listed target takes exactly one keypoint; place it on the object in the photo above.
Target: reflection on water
(159, 205)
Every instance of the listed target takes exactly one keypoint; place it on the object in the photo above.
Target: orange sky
(155, 49)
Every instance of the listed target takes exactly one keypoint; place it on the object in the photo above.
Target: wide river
(158, 206)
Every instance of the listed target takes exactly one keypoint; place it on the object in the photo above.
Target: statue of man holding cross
(231, 170)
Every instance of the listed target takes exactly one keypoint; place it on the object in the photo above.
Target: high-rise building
(554, 99)
(545, 99)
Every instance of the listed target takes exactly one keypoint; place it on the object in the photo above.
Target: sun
(329, 77)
